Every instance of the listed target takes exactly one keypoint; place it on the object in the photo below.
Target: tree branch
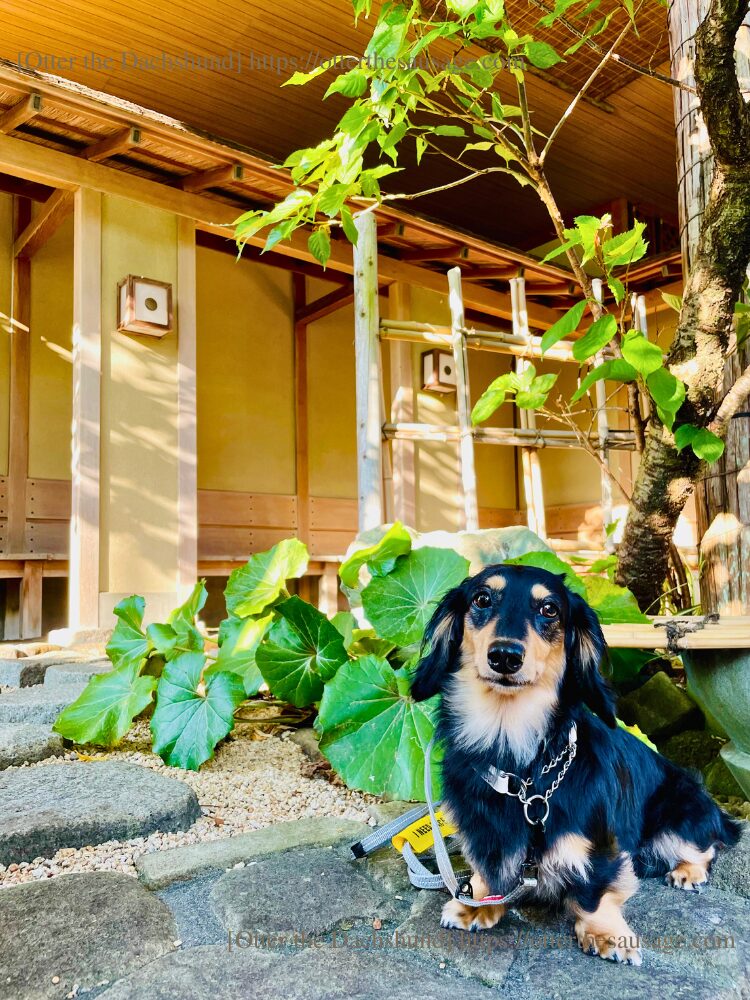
(731, 403)
(724, 111)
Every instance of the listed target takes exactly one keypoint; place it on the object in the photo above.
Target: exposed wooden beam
(228, 173)
(436, 253)
(44, 225)
(25, 189)
(325, 305)
(271, 259)
(120, 142)
(490, 273)
(402, 409)
(20, 113)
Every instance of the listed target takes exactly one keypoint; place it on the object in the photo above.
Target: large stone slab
(326, 973)
(37, 704)
(25, 671)
(27, 742)
(309, 892)
(159, 869)
(78, 930)
(660, 708)
(731, 869)
(61, 675)
(72, 805)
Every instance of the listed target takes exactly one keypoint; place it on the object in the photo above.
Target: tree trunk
(717, 269)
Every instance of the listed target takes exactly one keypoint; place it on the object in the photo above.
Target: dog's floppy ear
(586, 651)
(440, 646)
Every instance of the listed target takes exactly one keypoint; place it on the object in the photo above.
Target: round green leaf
(400, 605)
(374, 733)
(239, 639)
(668, 393)
(596, 337)
(105, 709)
(192, 715)
(380, 558)
(705, 444)
(261, 580)
(553, 564)
(541, 55)
(129, 643)
(302, 651)
(644, 356)
(612, 603)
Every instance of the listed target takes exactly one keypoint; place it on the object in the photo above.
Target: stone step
(39, 704)
(26, 743)
(76, 804)
(62, 675)
(26, 671)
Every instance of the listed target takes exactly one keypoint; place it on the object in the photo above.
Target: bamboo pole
(367, 365)
(402, 407)
(463, 401)
(495, 341)
(515, 437)
(602, 427)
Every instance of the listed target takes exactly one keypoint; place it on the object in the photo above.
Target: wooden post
(722, 498)
(367, 359)
(187, 423)
(83, 581)
(532, 470)
(463, 401)
(402, 408)
(302, 454)
(602, 430)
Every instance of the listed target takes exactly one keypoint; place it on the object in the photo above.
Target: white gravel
(250, 784)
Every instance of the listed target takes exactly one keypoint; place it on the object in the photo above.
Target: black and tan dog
(516, 656)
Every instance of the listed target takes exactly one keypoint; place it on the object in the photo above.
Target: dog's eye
(482, 599)
(549, 610)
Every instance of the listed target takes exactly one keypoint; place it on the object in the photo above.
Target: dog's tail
(730, 829)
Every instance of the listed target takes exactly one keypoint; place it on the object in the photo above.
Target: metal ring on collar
(540, 820)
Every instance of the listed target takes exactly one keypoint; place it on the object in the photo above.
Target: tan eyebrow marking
(538, 591)
(497, 582)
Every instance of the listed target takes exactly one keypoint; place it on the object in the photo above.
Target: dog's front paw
(689, 876)
(458, 916)
(617, 947)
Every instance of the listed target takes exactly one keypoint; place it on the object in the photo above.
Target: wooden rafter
(22, 112)
(435, 253)
(325, 305)
(228, 173)
(56, 210)
(113, 145)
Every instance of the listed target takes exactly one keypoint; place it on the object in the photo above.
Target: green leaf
(494, 396)
(596, 337)
(673, 301)
(299, 79)
(351, 84)
(319, 245)
(705, 444)
(333, 198)
(612, 603)
(302, 651)
(455, 130)
(541, 55)
(380, 558)
(626, 664)
(537, 392)
(668, 393)
(347, 224)
(239, 639)
(553, 564)
(373, 733)
(262, 579)
(193, 715)
(616, 370)
(625, 248)
(644, 356)
(566, 325)
(179, 634)
(387, 38)
(400, 605)
(105, 709)
(129, 644)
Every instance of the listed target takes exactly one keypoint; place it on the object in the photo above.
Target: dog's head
(512, 631)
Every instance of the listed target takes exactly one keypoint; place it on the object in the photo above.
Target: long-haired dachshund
(516, 656)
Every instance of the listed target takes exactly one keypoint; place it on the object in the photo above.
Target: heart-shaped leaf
(261, 580)
(596, 337)
(301, 652)
(192, 715)
(644, 356)
(705, 444)
(374, 733)
(129, 644)
(239, 639)
(612, 603)
(400, 605)
(105, 709)
(379, 558)
(668, 393)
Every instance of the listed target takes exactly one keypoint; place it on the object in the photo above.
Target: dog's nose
(505, 657)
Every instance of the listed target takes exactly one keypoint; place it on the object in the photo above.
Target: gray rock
(731, 869)
(325, 973)
(384, 812)
(82, 928)
(311, 891)
(23, 742)
(660, 708)
(307, 739)
(720, 780)
(159, 869)
(63, 674)
(37, 704)
(693, 748)
(75, 804)
(25, 671)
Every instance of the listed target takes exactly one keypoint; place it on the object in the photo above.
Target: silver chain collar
(500, 780)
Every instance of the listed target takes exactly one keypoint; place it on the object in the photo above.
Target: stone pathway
(285, 912)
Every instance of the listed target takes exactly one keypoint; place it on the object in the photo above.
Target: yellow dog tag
(419, 834)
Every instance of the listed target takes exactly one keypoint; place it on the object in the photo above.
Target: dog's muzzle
(505, 657)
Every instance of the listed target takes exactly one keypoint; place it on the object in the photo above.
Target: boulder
(660, 708)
